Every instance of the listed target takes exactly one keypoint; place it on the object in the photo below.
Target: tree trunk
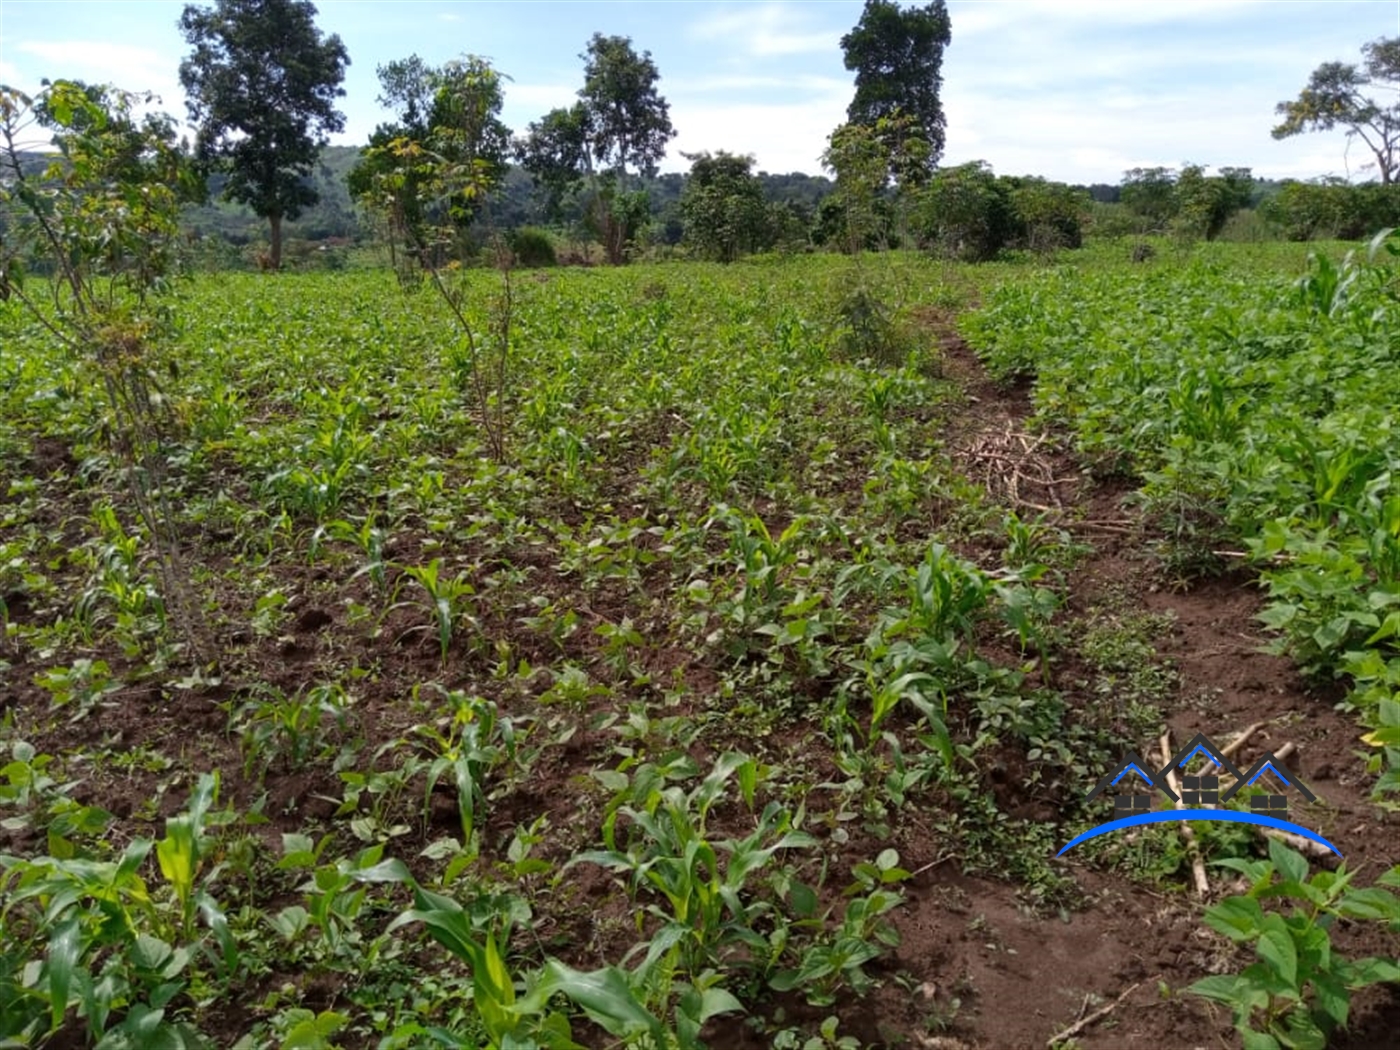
(275, 254)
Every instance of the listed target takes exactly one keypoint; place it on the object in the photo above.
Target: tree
(967, 212)
(897, 56)
(620, 121)
(1335, 97)
(1150, 194)
(1205, 203)
(723, 208)
(102, 216)
(448, 115)
(261, 84)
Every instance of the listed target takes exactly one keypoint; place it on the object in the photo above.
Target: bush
(533, 247)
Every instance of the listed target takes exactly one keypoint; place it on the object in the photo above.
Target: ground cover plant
(1257, 411)
(675, 713)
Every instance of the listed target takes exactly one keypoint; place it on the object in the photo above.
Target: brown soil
(977, 967)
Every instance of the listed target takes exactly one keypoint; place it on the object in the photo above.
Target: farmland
(700, 654)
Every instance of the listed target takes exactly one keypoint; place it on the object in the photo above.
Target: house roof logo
(1217, 783)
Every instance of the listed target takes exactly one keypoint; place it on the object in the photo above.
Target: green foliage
(261, 83)
(1336, 97)
(966, 212)
(533, 247)
(897, 56)
(1229, 399)
(723, 207)
(1299, 991)
(447, 123)
(620, 122)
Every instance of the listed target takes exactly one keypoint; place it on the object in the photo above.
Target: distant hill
(335, 215)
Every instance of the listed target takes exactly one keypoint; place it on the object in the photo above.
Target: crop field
(704, 656)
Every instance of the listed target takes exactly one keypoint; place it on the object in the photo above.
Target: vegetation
(602, 657)
(897, 56)
(1336, 97)
(261, 83)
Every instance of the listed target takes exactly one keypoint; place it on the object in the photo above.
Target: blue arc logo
(1227, 816)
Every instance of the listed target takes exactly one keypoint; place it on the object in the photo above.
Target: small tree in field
(261, 85)
(102, 215)
(430, 187)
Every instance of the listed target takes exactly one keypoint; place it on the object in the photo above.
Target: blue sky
(1071, 89)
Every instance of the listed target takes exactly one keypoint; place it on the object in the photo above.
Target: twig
(1198, 866)
(1302, 845)
(1098, 1015)
(1228, 751)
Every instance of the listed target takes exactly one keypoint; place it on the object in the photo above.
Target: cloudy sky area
(1071, 89)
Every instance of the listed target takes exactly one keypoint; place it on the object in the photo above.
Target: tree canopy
(620, 122)
(897, 56)
(261, 82)
(723, 208)
(447, 123)
(1337, 96)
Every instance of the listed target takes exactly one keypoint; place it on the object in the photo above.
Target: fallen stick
(1098, 1015)
(1234, 745)
(1228, 751)
(1198, 866)
(1302, 845)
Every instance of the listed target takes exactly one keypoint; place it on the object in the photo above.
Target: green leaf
(1239, 918)
(1252, 1040)
(1288, 861)
(1372, 903)
(604, 995)
(1374, 971)
(1223, 988)
(1276, 948)
(65, 947)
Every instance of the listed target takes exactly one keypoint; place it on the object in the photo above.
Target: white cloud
(782, 137)
(767, 30)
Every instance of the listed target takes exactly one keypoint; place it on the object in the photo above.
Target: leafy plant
(1299, 991)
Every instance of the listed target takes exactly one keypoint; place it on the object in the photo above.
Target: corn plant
(473, 744)
(670, 853)
(89, 936)
(447, 599)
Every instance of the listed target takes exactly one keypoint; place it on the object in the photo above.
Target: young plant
(447, 599)
(1299, 991)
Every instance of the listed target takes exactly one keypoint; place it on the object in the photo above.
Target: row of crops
(605, 679)
(623, 595)
(1259, 412)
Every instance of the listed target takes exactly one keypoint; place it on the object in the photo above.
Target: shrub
(533, 247)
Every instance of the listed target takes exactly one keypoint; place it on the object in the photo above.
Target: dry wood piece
(1228, 751)
(1014, 467)
(1302, 845)
(1098, 1015)
(1198, 866)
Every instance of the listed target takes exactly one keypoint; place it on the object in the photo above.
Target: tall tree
(446, 116)
(897, 56)
(1336, 97)
(620, 122)
(261, 82)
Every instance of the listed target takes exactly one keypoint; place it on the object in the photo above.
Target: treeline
(965, 212)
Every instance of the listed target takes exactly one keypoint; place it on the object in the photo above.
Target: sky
(1075, 90)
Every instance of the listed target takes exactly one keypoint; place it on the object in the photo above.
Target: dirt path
(1001, 977)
